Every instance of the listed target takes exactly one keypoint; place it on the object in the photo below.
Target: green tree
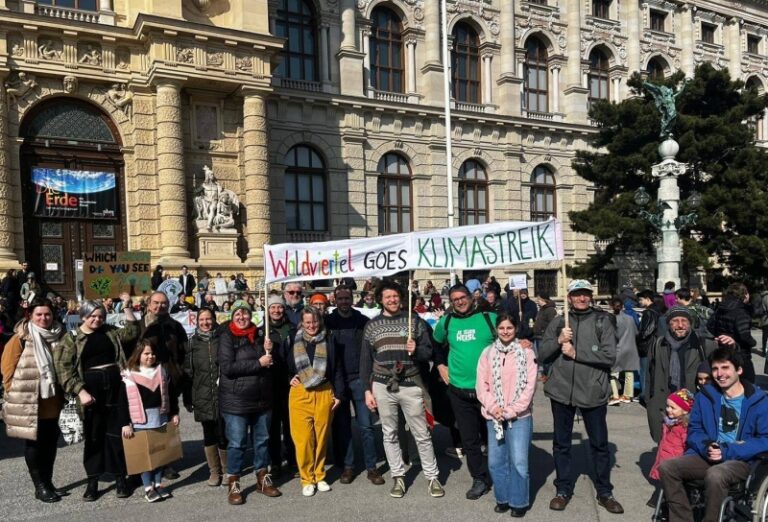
(717, 139)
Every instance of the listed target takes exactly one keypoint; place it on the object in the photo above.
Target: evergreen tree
(717, 139)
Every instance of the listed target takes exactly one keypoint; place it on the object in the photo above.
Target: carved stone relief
(214, 58)
(50, 49)
(89, 53)
(20, 85)
(185, 55)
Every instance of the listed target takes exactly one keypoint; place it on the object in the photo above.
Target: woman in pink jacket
(506, 381)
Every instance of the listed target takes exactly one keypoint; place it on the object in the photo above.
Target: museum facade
(123, 121)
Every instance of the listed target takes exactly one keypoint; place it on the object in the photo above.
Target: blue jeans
(508, 462)
(236, 427)
(342, 429)
(152, 478)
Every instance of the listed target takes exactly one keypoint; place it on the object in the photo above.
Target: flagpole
(565, 299)
(410, 305)
(447, 99)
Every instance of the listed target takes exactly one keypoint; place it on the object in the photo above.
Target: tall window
(658, 20)
(536, 88)
(296, 21)
(86, 5)
(598, 76)
(394, 192)
(601, 9)
(465, 64)
(542, 194)
(386, 51)
(753, 44)
(305, 190)
(473, 194)
(655, 69)
(708, 33)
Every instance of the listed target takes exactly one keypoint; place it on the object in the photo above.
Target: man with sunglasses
(294, 302)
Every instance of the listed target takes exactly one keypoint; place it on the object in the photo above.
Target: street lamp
(642, 198)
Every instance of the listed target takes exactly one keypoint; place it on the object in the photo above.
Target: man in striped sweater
(389, 369)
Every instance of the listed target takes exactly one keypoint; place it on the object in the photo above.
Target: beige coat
(21, 382)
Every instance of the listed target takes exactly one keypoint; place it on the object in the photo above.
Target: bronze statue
(665, 97)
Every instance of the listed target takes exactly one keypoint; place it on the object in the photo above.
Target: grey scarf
(677, 353)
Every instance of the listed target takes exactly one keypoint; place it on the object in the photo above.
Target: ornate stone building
(324, 118)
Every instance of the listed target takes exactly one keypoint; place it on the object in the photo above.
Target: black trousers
(280, 428)
(40, 454)
(214, 434)
(472, 429)
(103, 446)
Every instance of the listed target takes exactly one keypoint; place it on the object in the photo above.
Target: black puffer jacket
(244, 386)
(648, 331)
(733, 318)
(202, 369)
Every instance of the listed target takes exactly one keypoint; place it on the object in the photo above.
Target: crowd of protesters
(289, 384)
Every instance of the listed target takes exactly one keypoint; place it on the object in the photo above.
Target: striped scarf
(310, 374)
(498, 353)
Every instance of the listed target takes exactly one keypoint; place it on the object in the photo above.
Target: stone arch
(756, 80)
(475, 22)
(470, 154)
(396, 6)
(324, 149)
(607, 47)
(547, 37)
(402, 148)
(661, 59)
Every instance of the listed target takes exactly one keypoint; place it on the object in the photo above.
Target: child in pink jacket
(506, 381)
(675, 429)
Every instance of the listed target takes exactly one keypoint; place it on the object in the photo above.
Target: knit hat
(679, 311)
(189, 300)
(579, 284)
(240, 305)
(318, 298)
(704, 368)
(682, 398)
(275, 300)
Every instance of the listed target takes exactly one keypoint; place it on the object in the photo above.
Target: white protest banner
(518, 281)
(469, 247)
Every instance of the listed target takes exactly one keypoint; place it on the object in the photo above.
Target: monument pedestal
(218, 247)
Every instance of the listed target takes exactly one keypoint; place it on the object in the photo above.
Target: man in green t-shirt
(464, 333)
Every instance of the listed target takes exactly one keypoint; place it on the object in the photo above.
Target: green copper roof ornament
(665, 97)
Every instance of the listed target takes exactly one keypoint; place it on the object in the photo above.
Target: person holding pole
(581, 347)
(390, 373)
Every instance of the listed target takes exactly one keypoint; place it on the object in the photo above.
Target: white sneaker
(323, 486)
(308, 490)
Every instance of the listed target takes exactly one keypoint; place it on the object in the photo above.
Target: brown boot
(214, 465)
(264, 484)
(235, 497)
(223, 460)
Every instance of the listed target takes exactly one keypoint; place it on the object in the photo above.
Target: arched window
(536, 86)
(473, 194)
(305, 190)
(598, 76)
(656, 68)
(394, 195)
(542, 194)
(386, 51)
(295, 21)
(465, 64)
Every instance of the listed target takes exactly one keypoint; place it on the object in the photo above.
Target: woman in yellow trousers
(316, 387)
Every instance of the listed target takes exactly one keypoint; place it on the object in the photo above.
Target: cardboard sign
(518, 281)
(152, 449)
(108, 274)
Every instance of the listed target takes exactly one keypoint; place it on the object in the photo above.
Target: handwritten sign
(464, 248)
(518, 281)
(108, 274)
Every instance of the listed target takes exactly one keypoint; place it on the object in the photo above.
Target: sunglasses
(293, 292)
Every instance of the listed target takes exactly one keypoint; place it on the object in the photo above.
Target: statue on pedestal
(215, 206)
(665, 97)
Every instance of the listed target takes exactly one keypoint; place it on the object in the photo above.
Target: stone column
(487, 79)
(256, 172)
(634, 31)
(365, 38)
(432, 70)
(687, 35)
(556, 89)
(410, 46)
(325, 66)
(106, 13)
(732, 42)
(6, 196)
(615, 94)
(509, 82)
(348, 24)
(350, 59)
(170, 170)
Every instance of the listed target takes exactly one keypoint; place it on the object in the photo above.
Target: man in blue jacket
(727, 429)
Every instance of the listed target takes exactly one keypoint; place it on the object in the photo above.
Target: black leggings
(213, 434)
(40, 454)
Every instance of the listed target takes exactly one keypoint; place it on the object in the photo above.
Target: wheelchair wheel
(760, 504)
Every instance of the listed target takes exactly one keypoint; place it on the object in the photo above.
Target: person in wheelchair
(728, 429)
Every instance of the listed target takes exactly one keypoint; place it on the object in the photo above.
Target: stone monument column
(256, 171)
(170, 170)
(6, 198)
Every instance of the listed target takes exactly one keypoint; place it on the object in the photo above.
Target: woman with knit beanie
(202, 368)
(506, 381)
(33, 399)
(245, 399)
(317, 385)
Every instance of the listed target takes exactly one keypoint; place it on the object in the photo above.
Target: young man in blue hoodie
(728, 429)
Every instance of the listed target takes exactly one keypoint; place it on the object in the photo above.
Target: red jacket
(672, 445)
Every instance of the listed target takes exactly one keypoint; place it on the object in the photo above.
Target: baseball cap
(579, 284)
